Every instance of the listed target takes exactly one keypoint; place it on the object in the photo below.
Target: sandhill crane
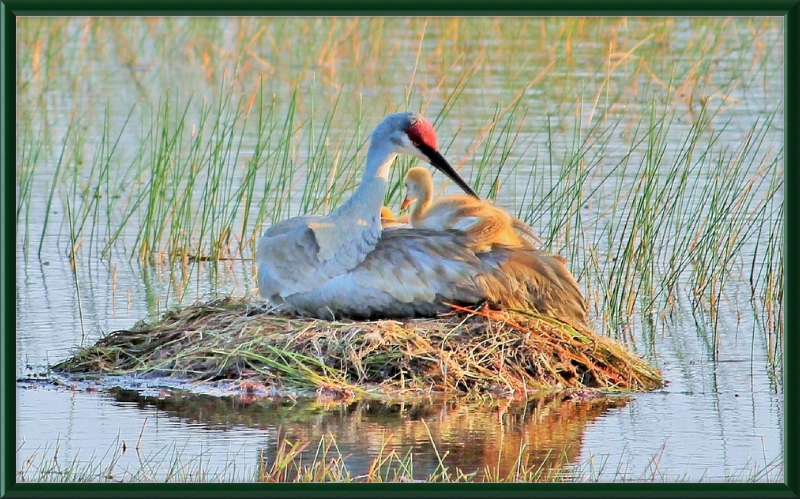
(345, 265)
(485, 223)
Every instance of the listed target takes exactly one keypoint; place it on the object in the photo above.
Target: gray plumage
(414, 272)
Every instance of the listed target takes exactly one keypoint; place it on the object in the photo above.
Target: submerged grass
(499, 352)
(301, 461)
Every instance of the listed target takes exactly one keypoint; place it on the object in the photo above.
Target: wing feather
(412, 272)
(279, 254)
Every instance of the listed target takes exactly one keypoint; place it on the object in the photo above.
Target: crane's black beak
(441, 164)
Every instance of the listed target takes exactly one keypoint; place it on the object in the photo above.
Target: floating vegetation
(502, 353)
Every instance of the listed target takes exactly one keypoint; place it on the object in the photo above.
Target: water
(721, 415)
(221, 430)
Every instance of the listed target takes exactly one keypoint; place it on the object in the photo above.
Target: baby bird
(485, 223)
(389, 220)
(387, 217)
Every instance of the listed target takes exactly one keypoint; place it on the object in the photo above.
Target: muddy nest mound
(485, 350)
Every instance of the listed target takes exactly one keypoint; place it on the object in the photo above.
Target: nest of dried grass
(486, 350)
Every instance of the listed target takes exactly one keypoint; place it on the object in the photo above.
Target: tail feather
(536, 280)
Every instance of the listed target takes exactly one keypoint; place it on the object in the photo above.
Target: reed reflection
(497, 438)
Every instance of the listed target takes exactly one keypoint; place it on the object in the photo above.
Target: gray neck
(365, 203)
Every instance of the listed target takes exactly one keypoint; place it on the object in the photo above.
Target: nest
(508, 352)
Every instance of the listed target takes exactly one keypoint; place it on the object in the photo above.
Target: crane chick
(486, 224)
(388, 219)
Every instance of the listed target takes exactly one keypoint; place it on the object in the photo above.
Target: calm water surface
(720, 417)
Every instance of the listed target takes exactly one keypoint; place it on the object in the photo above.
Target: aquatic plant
(505, 352)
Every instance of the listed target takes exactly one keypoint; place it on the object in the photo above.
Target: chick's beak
(405, 204)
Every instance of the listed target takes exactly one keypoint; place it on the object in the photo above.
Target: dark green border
(9, 9)
(404, 8)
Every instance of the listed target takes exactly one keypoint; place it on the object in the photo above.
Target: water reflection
(495, 436)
